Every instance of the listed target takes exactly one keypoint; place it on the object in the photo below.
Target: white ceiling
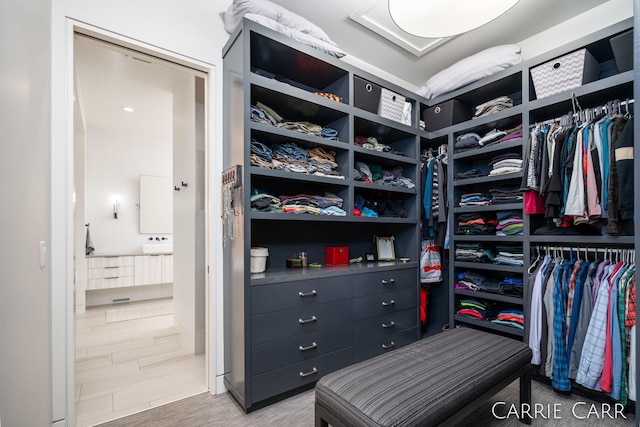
(377, 44)
(110, 78)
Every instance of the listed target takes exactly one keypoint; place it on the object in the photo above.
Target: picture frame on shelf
(386, 248)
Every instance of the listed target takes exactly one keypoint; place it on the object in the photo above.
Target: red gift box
(336, 255)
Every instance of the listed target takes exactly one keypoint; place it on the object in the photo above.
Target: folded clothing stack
(329, 204)
(378, 207)
(506, 163)
(264, 114)
(470, 280)
(373, 173)
(511, 286)
(510, 223)
(506, 195)
(493, 106)
(466, 141)
(471, 173)
(476, 223)
(479, 309)
(473, 252)
(371, 143)
(293, 158)
(510, 317)
(474, 199)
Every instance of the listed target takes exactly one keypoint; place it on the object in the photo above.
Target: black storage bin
(446, 114)
(622, 46)
(366, 95)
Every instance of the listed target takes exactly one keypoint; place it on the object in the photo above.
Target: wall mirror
(156, 204)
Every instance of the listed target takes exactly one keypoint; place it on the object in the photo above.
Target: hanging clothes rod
(626, 254)
(576, 116)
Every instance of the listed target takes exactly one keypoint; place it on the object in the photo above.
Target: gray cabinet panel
(367, 349)
(280, 380)
(282, 296)
(282, 324)
(277, 354)
(384, 281)
(385, 303)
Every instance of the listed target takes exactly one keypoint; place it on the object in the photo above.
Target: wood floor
(221, 410)
(127, 366)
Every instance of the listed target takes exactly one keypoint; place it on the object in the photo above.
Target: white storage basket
(564, 73)
(391, 105)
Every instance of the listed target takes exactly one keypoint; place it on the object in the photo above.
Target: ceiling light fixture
(445, 18)
(128, 109)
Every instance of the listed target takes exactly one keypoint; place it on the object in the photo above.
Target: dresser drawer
(110, 282)
(384, 281)
(283, 296)
(384, 303)
(110, 261)
(280, 353)
(370, 348)
(381, 327)
(109, 272)
(291, 377)
(282, 324)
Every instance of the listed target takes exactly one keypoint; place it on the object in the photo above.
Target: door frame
(62, 212)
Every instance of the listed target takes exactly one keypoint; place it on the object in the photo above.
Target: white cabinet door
(148, 270)
(167, 268)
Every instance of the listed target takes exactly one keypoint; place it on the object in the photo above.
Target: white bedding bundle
(281, 20)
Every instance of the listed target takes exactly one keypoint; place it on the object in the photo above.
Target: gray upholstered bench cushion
(424, 383)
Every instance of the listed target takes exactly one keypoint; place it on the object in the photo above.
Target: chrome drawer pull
(309, 347)
(313, 293)
(389, 325)
(386, 304)
(306, 374)
(114, 266)
(113, 277)
(388, 346)
(389, 282)
(303, 321)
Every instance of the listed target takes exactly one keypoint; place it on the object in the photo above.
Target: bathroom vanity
(128, 277)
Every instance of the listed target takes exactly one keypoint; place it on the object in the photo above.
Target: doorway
(139, 344)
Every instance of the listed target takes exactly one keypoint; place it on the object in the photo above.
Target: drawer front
(284, 296)
(277, 354)
(282, 324)
(110, 261)
(371, 348)
(385, 303)
(109, 272)
(384, 281)
(115, 282)
(291, 377)
(382, 327)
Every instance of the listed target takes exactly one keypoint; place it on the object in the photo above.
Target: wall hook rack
(184, 184)
(175, 187)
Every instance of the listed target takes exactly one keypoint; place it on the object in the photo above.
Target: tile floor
(128, 366)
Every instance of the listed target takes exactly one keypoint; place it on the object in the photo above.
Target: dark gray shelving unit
(516, 83)
(278, 339)
(285, 328)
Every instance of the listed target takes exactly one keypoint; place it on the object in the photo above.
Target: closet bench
(439, 380)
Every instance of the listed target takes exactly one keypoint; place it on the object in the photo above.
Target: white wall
(25, 294)
(115, 159)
